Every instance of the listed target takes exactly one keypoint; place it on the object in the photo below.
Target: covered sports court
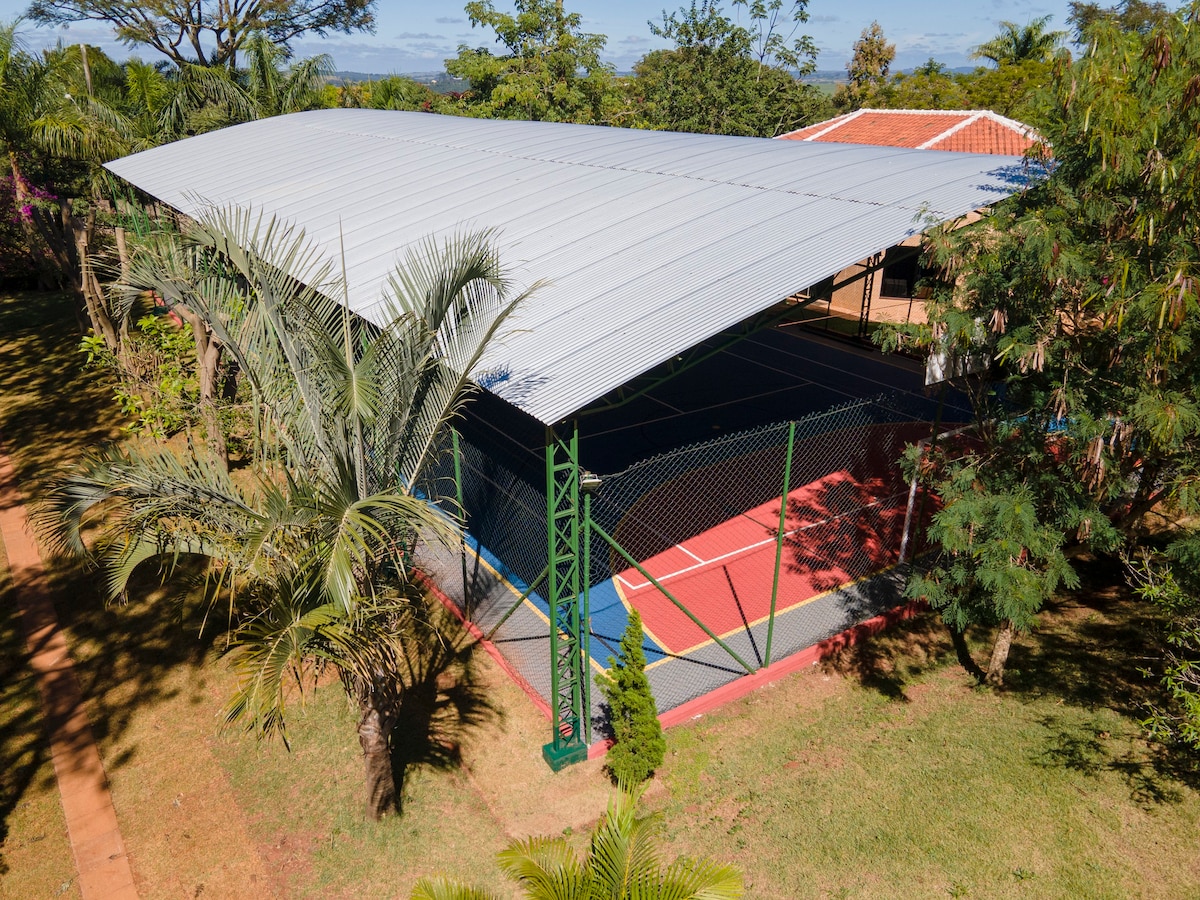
(655, 430)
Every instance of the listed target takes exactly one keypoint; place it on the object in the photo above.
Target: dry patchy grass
(883, 774)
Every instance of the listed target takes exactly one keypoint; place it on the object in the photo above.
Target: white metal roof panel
(650, 241)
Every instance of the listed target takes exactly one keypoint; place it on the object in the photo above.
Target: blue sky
(417, 37)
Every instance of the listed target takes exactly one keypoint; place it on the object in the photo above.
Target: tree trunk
(373, 732)
(214, 435)
(963, 652)
(995, 672)
(89, 285)
(208, 364)
(122, 253)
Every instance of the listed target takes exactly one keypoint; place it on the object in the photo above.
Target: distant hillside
(826, 79)
(439, 81)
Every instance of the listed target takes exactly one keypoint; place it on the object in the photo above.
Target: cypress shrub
(639, 747)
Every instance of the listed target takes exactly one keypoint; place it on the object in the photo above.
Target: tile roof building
(963, 131)
(886, 286)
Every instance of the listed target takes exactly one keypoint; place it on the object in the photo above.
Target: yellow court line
(650, 634)
(525, 598)
(742, 628)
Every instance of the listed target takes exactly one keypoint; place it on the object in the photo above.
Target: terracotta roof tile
(986, 136)
(964, 131)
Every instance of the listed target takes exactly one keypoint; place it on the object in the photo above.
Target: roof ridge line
(835, 123)
(638, 171)
(953, 129)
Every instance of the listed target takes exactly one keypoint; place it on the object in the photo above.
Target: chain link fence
(737, 551)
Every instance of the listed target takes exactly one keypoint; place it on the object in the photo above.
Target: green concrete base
(563, 755)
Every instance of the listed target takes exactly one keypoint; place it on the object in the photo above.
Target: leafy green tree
(28, 86)
(1082, 293)
(622, 863)
(1016, 90)
(1171, 580)
(1128, 15)
(312, 554)
(923, 89)
(396, 92)
(999, 559)
(638, 747)
(1018, 43)
(551, 70)
(149, 106)
(722, 77)
(209, 33)
(867, 69)
(155, 107)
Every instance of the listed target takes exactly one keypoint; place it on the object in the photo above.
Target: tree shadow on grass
(124, 651)
(443, 700)
(1090, 646)
(1091, 650)
(890, 660)
(52, 411)
(23, 747)
(1152, 773)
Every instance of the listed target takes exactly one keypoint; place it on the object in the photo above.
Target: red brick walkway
(100, 858)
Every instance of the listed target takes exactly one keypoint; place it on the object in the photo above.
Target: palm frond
(267, 650)
(623, 851)
(155, 498)
(85, 129)
(440, 887)
(546, 868)
(361, 532)
(445, 305)
(699, 880)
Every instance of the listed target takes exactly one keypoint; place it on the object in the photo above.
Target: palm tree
(622, 863)
(156, 108)
(27, 87)
(1016, 44)
(313, 555)
(277, 91)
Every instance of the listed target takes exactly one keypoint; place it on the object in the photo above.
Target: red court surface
(837, 530)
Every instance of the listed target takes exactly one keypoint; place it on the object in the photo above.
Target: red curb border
(727, 693)
(808, 657)
(487, 645)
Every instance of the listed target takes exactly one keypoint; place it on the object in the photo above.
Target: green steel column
(456, 448)
(568, 649)
(585, 617)
(787, 483)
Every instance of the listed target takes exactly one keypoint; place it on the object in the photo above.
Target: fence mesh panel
(704, 521)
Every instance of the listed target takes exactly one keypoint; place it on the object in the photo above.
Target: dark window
(900, 276)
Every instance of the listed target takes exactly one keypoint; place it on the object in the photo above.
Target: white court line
(740, 550)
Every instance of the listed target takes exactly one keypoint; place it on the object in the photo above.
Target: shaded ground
(884, 774)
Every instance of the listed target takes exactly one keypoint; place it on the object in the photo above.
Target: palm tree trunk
(373, 732)
(995, 672)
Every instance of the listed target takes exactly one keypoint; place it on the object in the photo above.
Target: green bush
(639, 747)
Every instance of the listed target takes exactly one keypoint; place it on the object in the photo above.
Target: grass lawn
(882, 774)
(827, 787)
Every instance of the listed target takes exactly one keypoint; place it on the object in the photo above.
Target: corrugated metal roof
(651, 241)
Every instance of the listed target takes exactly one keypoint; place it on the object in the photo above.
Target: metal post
(611, 541)
(787, 483)
(864, 311)
(569, 667)
(456, 449)
(585, 617)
